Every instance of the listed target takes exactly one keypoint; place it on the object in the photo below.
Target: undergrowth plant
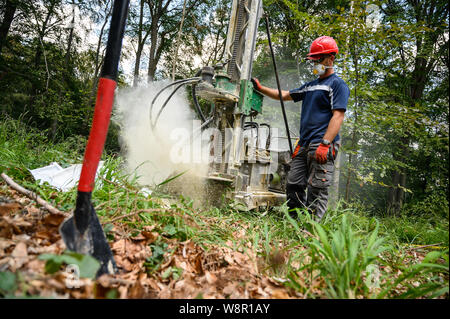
(342, 256)
(23, 148)
(424, 279)
(336, 258)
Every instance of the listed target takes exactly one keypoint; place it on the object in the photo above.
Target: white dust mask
(320, 69)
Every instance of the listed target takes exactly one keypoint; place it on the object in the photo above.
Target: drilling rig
(243, 159)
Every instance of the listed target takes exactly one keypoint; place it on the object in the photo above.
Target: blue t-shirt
(320, 97)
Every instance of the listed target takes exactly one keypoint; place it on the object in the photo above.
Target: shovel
(82, 232)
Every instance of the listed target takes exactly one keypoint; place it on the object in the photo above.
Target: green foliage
(87, 265)
(8, 283)
(359, 255)
(156, 259)
(42, 82)
(433, 267)
(172, 272)
(435, 206)
(343, 256)
(420, 230)
(23, 147)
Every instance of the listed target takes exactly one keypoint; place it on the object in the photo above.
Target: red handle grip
(97, 136)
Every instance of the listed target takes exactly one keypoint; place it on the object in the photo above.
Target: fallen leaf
(150, 236)
(279, 294)
(9, 208)
(123, 263)
(21, 238)
(4, 244)
(138, 237)
(198, 265)
(5, 262)
(6, 229)
(240, 258)
(44, 235)
(210, 278)
(137, 291)
(119, 247)
(228, 290)
(17, 221)
(53, 219)
(152, 284)
(20, 255)
(36, 265)
(164, 293)
(229, 259)
(33, 210)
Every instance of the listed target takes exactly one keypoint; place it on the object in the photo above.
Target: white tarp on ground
(61, 178)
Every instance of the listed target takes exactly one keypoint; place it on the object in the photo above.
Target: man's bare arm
(273, 93)
(335, 125)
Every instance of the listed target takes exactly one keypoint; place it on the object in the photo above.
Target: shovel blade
(90, 242)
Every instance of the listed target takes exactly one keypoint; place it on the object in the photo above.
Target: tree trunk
(37, 56)
(8, 17)
(396, 194)
(349, 174)
(54, 126)
(177, 46)
(140, 47)
(64, 78)
(157, 10)
(392, 194)
(152, 61)
(69, 44)
(354, 133)
(137, 65)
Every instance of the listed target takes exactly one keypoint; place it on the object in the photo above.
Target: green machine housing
(250, 100)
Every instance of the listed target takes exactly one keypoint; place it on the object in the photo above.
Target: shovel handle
(97, 136)
(105, 97)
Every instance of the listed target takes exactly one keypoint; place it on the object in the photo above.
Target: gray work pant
(308, 181)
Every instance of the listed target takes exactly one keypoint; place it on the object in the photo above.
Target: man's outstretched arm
(272, 93)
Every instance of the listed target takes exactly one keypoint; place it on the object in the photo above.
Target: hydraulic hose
(180, 84)
(165, 103)
(168, 86)
(196, 105)
(194, 97)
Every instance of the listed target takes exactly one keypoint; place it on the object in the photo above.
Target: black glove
(256, 85)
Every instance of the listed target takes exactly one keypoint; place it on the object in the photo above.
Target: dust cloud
(155, 155)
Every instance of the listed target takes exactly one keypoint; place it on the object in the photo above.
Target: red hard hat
(322, 45)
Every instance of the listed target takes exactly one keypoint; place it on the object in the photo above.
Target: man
(323, 107)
